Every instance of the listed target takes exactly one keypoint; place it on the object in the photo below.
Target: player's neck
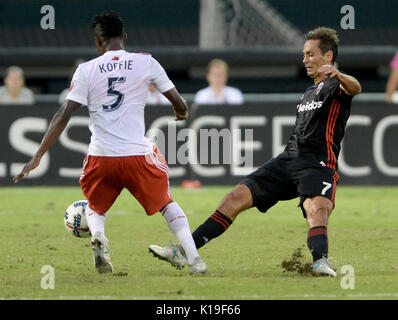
(114, 45)
(319, 78)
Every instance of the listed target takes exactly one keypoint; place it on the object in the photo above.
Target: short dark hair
(328, 40)
(111, 24)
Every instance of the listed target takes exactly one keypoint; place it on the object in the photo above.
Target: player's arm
(349, 84)
(180, 106)
(162, 82)
(55, 128)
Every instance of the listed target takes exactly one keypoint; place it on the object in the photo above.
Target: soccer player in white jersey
(114, 87)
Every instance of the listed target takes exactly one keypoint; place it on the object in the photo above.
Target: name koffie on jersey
(309, 106)
(119, 65)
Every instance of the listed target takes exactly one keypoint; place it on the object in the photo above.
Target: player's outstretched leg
(184, 253)
(99, 243)
(233, 203)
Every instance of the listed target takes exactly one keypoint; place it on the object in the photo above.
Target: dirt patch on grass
(296, 264)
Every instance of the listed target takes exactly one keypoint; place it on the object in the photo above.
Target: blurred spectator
(218, 92)
(156, 97)
(392, 83)
(14, 90)
(62, 95)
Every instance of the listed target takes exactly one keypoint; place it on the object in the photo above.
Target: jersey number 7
(113, 92)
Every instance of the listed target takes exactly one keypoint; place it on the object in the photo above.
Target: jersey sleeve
(78, 90)
(338, 92)
(159, 77)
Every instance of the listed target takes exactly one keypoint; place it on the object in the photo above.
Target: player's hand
(181, 116)
(32, 164)
(329, 70)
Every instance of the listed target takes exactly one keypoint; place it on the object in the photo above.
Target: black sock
(317, 242)
(214, 226)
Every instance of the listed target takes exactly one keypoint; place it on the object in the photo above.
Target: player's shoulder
(141, 55)
(333, 87)
(142, 58)
(330, 83)
(87, 64)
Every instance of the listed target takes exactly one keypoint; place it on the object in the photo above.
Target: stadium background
(262, 46)
(262, 42)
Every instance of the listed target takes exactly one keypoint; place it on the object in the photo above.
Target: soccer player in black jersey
(307, 168)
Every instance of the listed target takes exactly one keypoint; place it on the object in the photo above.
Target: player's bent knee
(242, 195)
(236, 201)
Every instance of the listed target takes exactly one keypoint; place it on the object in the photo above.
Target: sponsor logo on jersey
(309, 106)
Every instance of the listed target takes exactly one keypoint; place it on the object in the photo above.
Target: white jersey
(228, 95)
(114, 87)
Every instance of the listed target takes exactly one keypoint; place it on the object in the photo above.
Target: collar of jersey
(114, 52)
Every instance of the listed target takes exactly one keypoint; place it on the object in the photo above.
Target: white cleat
(174, 254)
(102, 260)
(198, 266)
(322, 267)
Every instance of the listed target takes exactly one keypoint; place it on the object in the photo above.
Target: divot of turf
(296, 264)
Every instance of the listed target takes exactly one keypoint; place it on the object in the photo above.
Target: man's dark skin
(64, 113)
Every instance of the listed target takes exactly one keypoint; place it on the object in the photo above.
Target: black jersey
(322, 115)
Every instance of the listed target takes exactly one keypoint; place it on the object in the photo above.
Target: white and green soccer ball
(75, 219)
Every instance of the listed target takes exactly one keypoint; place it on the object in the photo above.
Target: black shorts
(280, 179)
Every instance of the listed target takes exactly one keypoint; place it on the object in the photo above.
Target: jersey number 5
(113, 92)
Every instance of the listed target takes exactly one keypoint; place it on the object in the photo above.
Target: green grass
(244, 263)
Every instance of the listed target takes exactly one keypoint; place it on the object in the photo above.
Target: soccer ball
(75, 219)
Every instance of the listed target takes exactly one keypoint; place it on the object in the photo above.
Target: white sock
(95, 221)
(178, 224)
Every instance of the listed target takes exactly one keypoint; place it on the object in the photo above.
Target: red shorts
(146, 177)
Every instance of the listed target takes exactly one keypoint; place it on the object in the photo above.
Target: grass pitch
(244, 263)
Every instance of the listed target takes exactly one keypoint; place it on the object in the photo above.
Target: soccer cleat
(174, 254)
(198, 266)
(322, 267)
(102, 260)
